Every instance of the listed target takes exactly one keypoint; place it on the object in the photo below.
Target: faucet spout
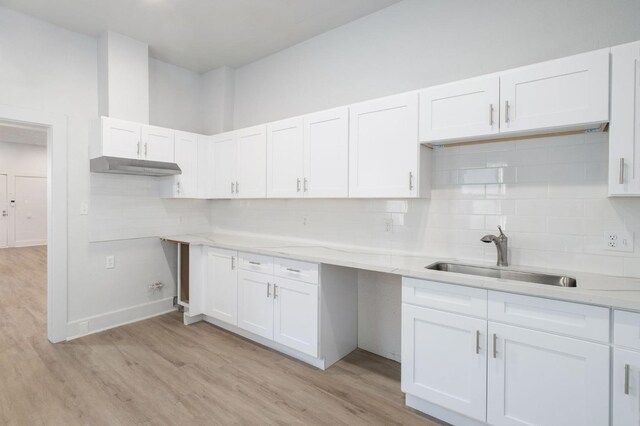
(501, 243)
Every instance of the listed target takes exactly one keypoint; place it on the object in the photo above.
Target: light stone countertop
(595, 289)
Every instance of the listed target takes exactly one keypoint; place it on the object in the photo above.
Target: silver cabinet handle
(477, 341)
(626, 379)
(621, 171)
(298, 185)
(138, 151)
(293, 270)
(495, 345)
(275, 291)
(254, 263)
(305, 185)
(233, 262)
(268, 290)
(410, 181)
(145, 148)
(5, 213)
(506, 111)
(232, 188)
(178, 186)
(491, 115)
(237, 187)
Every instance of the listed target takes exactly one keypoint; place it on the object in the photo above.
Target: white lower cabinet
(222, 285)
(296, 315)
(468, 365)
(537, 378)
(444, 359)
(626, 387)
(255, 303)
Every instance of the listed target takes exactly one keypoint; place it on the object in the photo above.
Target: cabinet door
(296, 315)
(251, 181)
(186, 156)
(284, 159)
(444, 359)
(120, 138)
(462, 110)
(158, 144)
(383, 147)
(626, 387)
(326, 154)
(222, 285)
(537, 378)
(566, 92)
(255, 303)
(206, 163)
(624, 129)
(225, 157)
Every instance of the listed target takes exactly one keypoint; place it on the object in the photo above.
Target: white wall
(23, 159)
(554, 211)
(46, 67)
(418, 43)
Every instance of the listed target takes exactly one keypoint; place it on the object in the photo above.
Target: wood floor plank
(160, 372)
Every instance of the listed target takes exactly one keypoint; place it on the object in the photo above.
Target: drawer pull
(255, 263)
(495, 345)
(297, 271)
(626, 379)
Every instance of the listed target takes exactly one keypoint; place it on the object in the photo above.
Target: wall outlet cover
(110, 262)
(618, 240)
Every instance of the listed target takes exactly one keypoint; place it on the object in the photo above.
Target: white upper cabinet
(185, 185)
(225, 157)
(384, 153)
(462, 110)
(251, 181)
(624, 130)
(326, 154)
(285, 158)
(206, 163)
(119, 138)
(566, 93)
(157, 144)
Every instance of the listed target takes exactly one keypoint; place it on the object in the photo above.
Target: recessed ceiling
(23, 134)
(203, 34)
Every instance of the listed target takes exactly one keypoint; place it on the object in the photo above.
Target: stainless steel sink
(531, 277)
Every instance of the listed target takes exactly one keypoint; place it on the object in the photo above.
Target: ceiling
(203, 34)
(23, 134)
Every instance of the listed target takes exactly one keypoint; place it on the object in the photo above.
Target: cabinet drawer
(571, 319)
(255, 263)
(296, 270)
(446, 297)
(626, 329)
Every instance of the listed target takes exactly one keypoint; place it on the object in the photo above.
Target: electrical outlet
(618, 241)
(110, 262)
(388, 226)
(84, 208)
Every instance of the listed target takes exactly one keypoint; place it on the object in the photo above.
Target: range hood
(128, 166)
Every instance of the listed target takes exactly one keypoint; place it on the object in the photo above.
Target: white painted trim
(315, 362)
(56, 126)
(102, 322)
(32, 243)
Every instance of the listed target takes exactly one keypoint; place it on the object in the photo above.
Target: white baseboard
(440, 413)
(95, 324)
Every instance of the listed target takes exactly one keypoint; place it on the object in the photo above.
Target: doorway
(50, 229)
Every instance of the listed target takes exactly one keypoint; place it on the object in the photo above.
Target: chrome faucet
(501, 245)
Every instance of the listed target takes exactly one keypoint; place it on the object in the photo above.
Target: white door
(296, 315)
(565, 92)
(538, 378)
(624, 129)
(626, 387)
(383, 147)
(186, 156)
(326, 154)
(444, 359)
(30, 211)
(4, 212)
(252, 162)
(222, 285)
(284, 159)
(225, 157)
(206, 163)
(121, 138)
(463, 110)
(255, 303)
(158, 144)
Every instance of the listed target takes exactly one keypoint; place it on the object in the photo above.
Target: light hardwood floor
(160, 372)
